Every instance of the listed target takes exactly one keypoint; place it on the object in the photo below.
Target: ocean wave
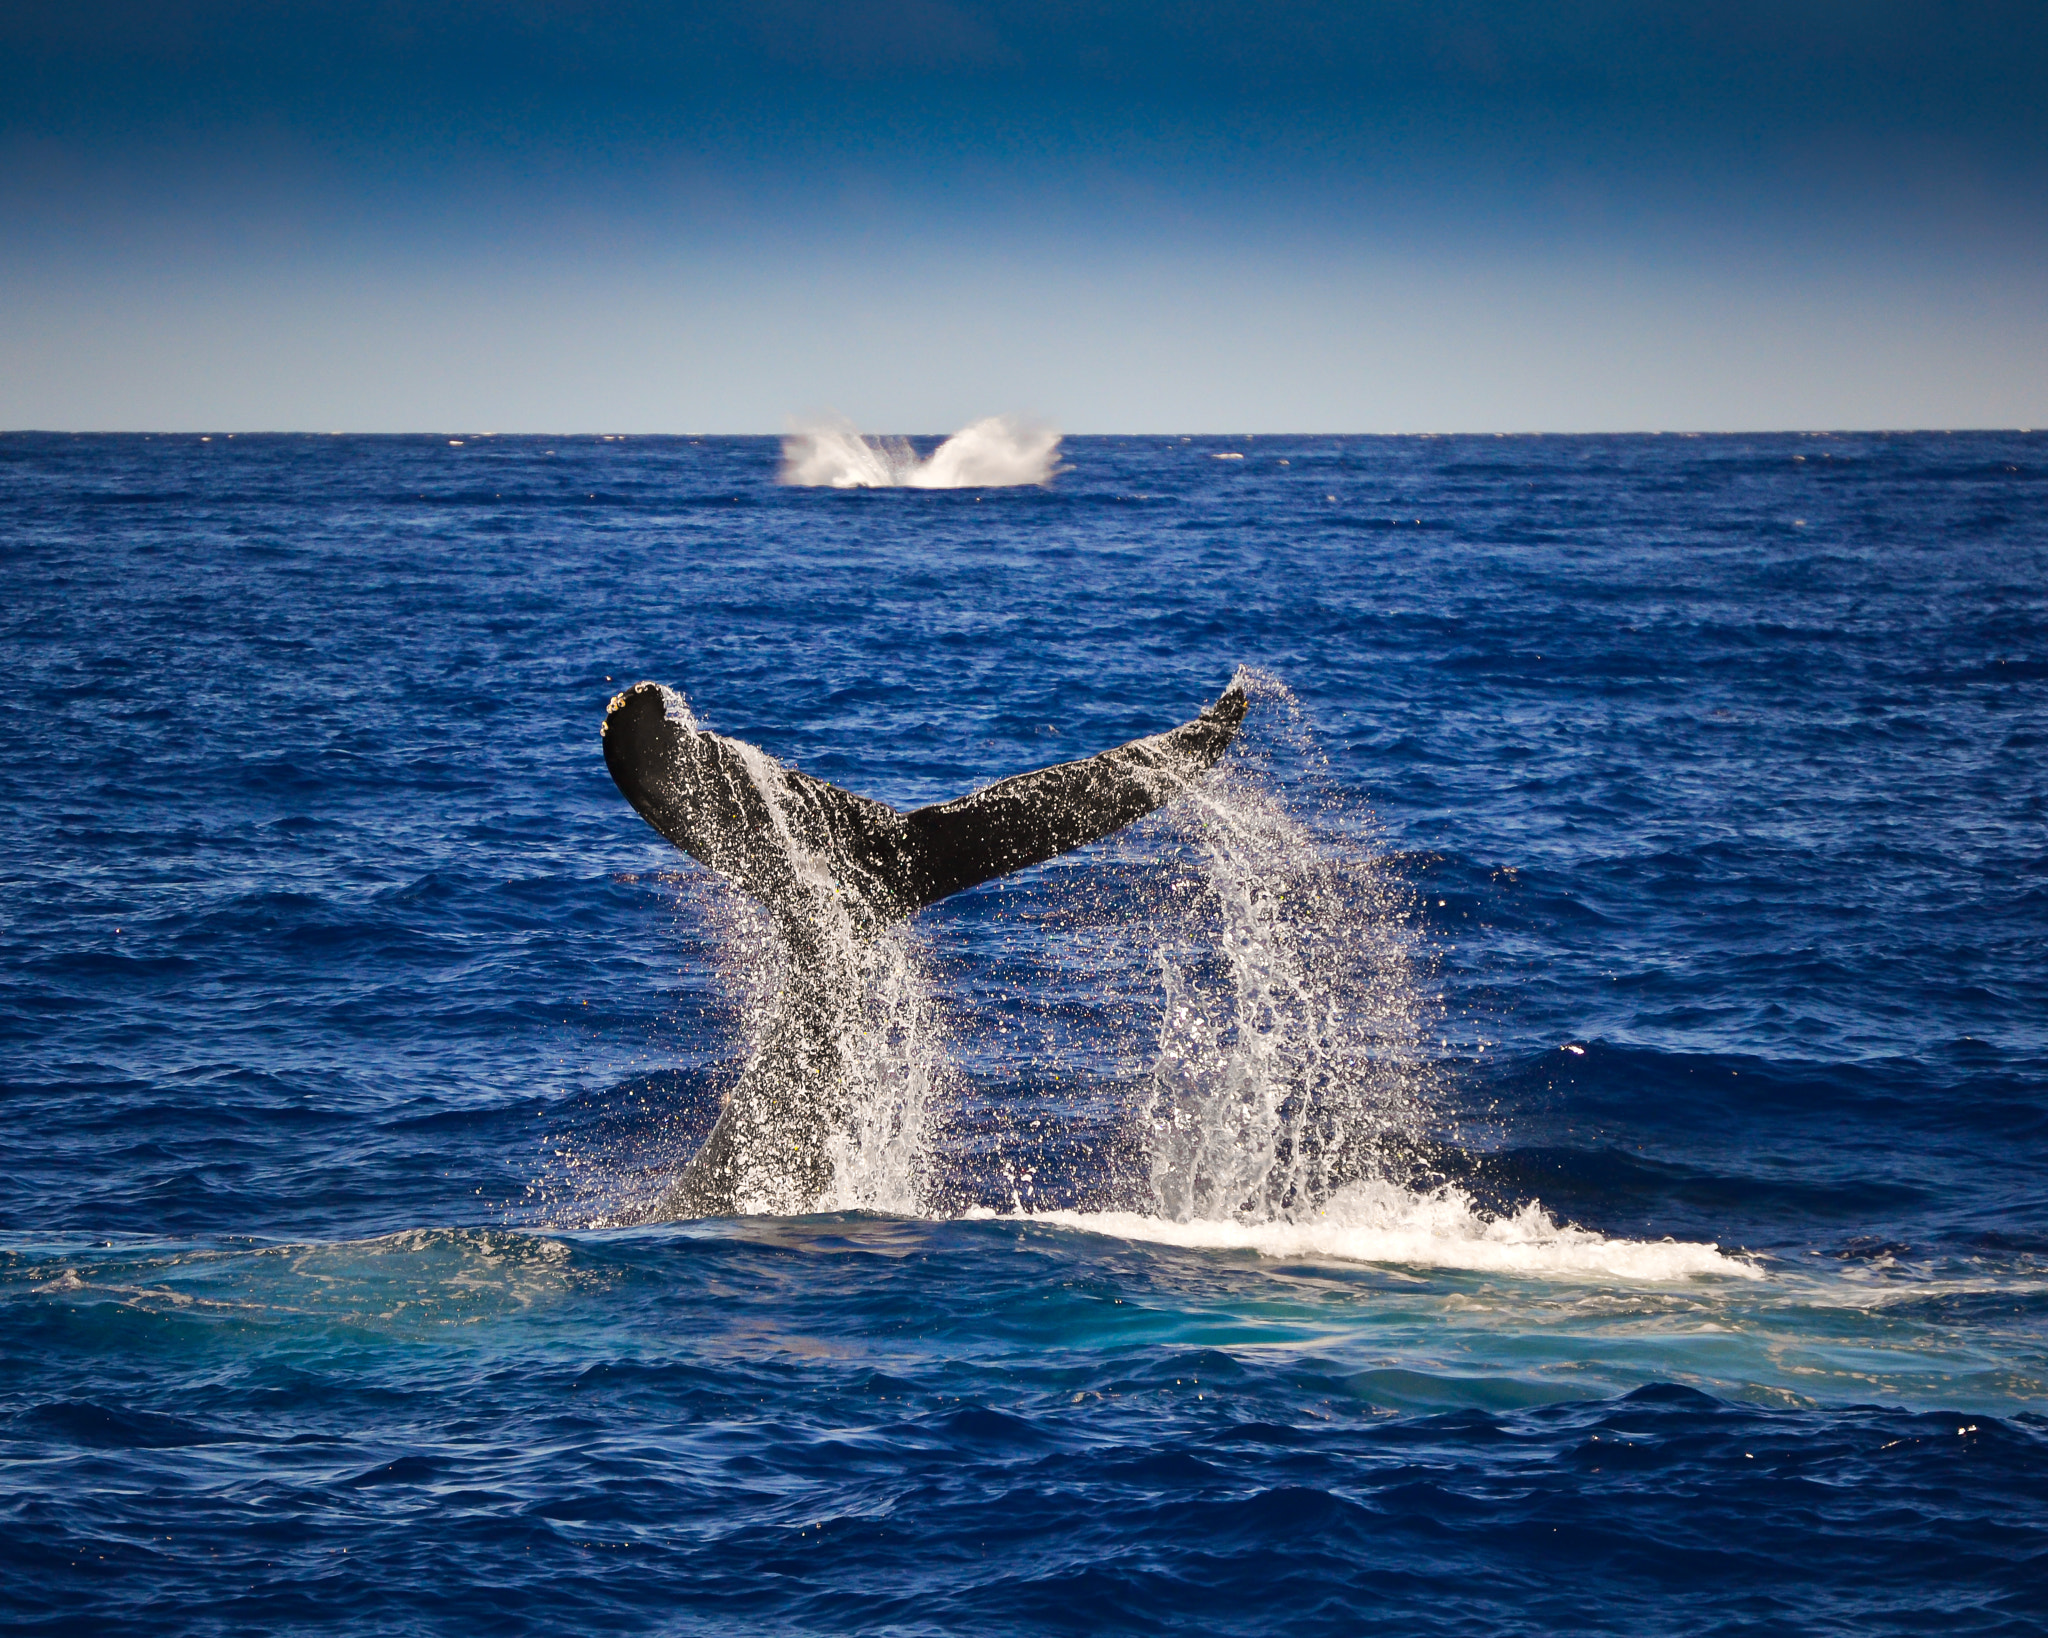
(1379, 1222)
(998, 452)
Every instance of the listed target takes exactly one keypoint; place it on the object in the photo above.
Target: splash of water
(845, 1050)
(1291, 1056)
(894, 1062)
(840, 1126)
(996, 453)
(829, 1112)
(1291, 1088)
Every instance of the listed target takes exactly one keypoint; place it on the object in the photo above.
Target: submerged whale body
(834, 869)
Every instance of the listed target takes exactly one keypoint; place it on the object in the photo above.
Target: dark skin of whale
(821, 858)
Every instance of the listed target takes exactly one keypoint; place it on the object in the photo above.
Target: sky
(1199, 216)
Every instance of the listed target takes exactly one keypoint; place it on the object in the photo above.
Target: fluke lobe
(834, 869)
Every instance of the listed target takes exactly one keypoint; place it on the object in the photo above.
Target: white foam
(1379, 1222)
(996, 453)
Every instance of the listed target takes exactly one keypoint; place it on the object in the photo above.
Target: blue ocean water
(1686, 806)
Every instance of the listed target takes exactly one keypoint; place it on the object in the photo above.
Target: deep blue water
(341, 994)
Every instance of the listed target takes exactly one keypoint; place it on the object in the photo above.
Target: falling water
(853, 995)
(867, 995)
(829, 1112)
(1291, 1053)
(894, 1060)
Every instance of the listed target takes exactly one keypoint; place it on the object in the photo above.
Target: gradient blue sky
(1214, 215)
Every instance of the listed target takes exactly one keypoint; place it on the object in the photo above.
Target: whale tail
(834, 868)
(782, 835)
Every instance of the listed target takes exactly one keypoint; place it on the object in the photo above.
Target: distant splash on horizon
(998, 452)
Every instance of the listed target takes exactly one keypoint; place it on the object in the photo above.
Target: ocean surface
(1552, 1138)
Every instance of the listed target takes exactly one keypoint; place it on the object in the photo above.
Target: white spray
(997, 453)
(1292, 1050)
(863, 992)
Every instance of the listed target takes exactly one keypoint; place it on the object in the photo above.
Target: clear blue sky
(1193, 216)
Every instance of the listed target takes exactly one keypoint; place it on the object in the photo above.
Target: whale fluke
(733, 808)
(834, 868)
